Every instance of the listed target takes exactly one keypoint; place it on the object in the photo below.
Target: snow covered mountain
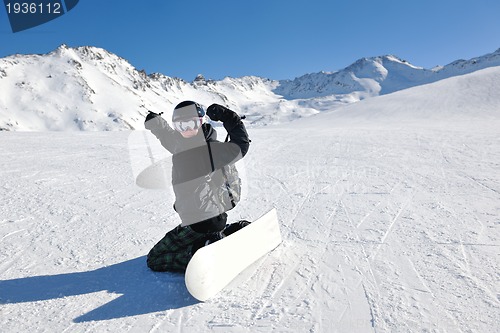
(375, 76)
(89, 88)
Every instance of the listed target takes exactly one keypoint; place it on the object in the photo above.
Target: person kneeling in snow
(204, 179)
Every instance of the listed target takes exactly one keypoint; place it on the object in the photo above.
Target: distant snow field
(389, 211)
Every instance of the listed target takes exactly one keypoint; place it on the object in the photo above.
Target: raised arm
(162, 130)
(233, 125)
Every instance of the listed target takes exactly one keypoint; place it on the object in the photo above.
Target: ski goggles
(188, 125)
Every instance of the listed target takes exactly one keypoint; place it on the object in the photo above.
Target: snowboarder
(205, 182)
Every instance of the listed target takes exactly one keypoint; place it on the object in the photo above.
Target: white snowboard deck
(214, 266)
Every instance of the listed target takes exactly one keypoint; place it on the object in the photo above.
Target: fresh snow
(389, 211)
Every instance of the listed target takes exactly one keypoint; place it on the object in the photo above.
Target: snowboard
(214, 266)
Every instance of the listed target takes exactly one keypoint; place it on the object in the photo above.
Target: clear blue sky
(277, 39)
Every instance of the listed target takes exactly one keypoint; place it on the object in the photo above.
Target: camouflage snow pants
(173, 252)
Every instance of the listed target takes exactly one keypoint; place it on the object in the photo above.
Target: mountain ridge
(90, 88)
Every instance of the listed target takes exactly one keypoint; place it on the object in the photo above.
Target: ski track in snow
(385, 230)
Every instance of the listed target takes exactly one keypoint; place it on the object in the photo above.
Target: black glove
(216, 112)
(151, 120)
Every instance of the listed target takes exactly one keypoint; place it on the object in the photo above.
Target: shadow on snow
(143, 291)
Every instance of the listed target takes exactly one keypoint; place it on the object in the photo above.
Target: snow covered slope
(462, 99)
(88, 88)
(390, 223)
